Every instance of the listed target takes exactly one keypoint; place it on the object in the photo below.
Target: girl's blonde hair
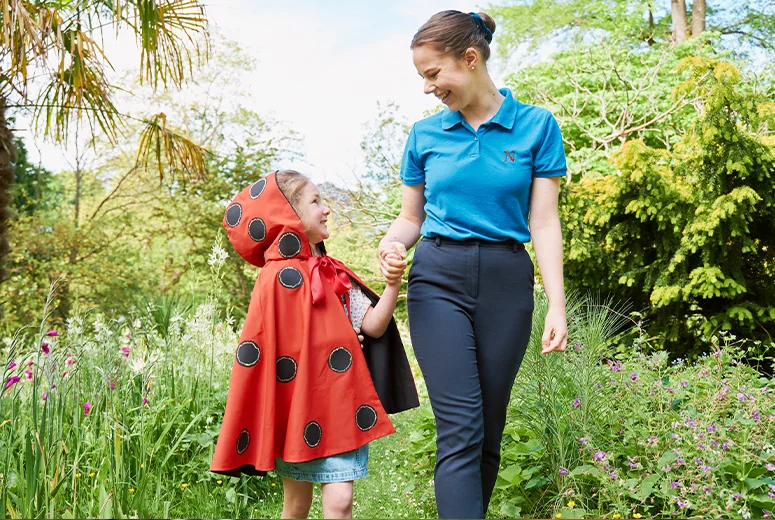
(291, 184)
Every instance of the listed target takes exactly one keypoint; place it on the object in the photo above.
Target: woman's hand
(391, 261)
(555, 336)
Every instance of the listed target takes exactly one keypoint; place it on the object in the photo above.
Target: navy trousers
(470, 313)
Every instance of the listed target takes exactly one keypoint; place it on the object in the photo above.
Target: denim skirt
(336, 468)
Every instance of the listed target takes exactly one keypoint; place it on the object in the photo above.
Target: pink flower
(12, 365)
(52, 333)
(126, 351)
(582, 440)
(44, 396)
(12, 381)
(112, 387)
(30, 363)
(600, 455)
(770, 467)
(563, 471)
(28, 373)
(145, 400)
(128, 335)
(44, 347)
(69, 362)
(86, 408)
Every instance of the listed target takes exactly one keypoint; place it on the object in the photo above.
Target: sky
(322, 67)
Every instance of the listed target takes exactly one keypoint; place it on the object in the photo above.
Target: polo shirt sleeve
(550, 158)
(412, 171)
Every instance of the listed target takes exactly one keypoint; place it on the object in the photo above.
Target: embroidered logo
(511, 156)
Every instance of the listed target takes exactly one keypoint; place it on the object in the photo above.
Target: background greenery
(662, 406)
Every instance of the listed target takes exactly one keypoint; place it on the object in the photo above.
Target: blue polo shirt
(477, 183)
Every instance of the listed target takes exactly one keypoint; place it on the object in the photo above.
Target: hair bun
(488, 21)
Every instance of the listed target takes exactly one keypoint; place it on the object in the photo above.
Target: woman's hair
(454, 32)
(291, 184)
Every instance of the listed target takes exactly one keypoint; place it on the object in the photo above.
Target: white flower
(137, 365)
(743, 511)
(218, 256)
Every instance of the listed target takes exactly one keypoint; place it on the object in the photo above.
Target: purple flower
(725, 446)
(705, 468)
(52, 333)
(701, 445)
(633, 465)
(613, 475)
(563, 471)
(770, 466)
(681, 503)
(712, 427)
(697, 461)
(86, 407)
(669, 390)
(12, 381)
(652, 441)
(707, 489)
(714, 444)
(582, 440)
(701, 435)
(44, 347)
(615, 366)
(684, 384)
(680, 461)
(674, 485)
(741, 397)
(634, 376)
(599, 455)
(690, 422)
(756, 416)
(577, 402)
(737, 496)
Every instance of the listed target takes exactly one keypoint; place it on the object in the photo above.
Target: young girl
(304, 399)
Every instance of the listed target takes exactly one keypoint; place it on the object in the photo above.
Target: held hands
(391, 262)
(555, 336)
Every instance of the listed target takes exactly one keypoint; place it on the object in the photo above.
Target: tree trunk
(680, 21)
(698, 17)
(7, 158)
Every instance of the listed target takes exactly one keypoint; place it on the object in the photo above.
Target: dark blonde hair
(453, 32)
(291, 184)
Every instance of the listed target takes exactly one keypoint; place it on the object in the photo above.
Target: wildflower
(714, 444)
(637, 515)
(44, 397)
(30, 363)
(273, 484)
(558, 515)
(11, 366)
(680, 461)
(712, 427)
(69, 362)
(582, 440)
(743, 511)
(634, 376)
(219, 482)
(137, 365)
(616, 516)
(86, 407)
(52, 333)
(563, 471)
(615, 366)
(741, 397)
(92, 474)
(77, 475)
(614, 475)
(701, 445)
(737, 496)
(757, 416)
(125, 350)
(577, 402)
(770, 466)
(684, 384)
(652, 441)
(599, 455)
(12, 381)
(725, 446)
(131, 490)
(145, 400)
(44, 347)
(681, 503)
(112, 386)
(571, 504)
(675, 436)
(28, 373)
(674, 485)
(183, 485)
(142, 465)
(128, 335)
(218, 256)
(690, 422)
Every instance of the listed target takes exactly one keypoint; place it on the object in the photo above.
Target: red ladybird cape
(300, 386)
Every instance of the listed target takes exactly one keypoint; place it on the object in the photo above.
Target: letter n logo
(509, 156)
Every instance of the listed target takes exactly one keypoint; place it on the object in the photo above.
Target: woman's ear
(471, 57)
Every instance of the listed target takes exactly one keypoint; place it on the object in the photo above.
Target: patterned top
(359, 304)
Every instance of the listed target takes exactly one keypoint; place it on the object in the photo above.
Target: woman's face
(447, 77)
(313, 214)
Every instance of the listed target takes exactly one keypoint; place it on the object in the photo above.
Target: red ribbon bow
(330, 270)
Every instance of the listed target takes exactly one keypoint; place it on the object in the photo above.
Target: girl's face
(447, 77)
(313, 214)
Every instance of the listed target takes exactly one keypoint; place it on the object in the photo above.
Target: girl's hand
(392, 268)
(360, 336)
(555, 336)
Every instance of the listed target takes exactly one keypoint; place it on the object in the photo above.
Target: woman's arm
(377, 318)
(405, 230)
(547, 241)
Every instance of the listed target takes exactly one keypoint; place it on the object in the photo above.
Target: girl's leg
(297, 498)
(337, 499)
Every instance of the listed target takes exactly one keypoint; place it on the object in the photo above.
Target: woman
(475, 175)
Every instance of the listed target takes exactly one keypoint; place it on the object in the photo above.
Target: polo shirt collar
(505, 116)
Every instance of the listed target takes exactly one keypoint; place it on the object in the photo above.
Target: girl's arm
(377, 318)
(547, 242)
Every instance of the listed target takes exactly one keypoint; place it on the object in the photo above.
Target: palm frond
(181, 155)
(169, 34)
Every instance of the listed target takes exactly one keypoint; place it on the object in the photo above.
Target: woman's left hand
(555, 336)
